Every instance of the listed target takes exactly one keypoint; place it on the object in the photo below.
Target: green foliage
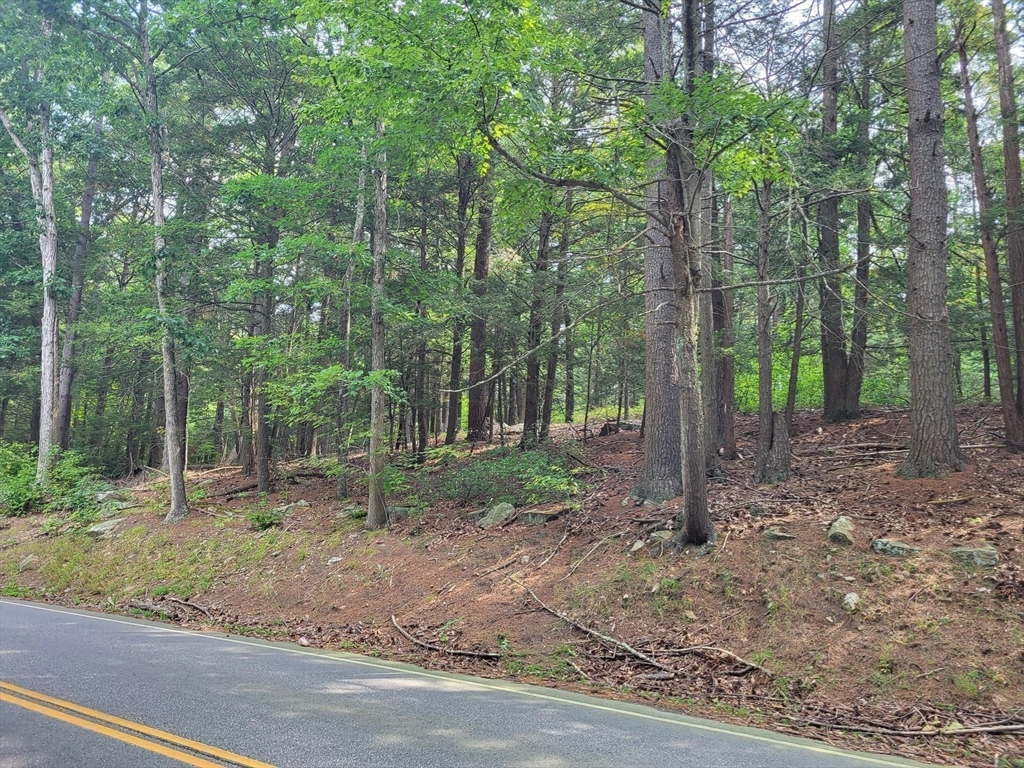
(530, 477)
(19, 493)
(262, 519)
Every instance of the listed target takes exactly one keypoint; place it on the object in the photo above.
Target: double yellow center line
(190, 752)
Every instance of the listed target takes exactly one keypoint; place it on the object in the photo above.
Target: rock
(499, 513)
(107, 497)
(775, 534)
(394, 513)
(662, 535)
(27, 562)
(104, 530)
(303, 642)
(289, 507)
(538, 516)
(841, 531)
(984, 556)
(893, 548)
(353, 511)
(334, 560)
(851, 601)
(637, 546)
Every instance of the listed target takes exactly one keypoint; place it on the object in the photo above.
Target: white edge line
(342, 657)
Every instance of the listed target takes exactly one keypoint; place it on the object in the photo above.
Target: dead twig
(564, 538)
(449, 651)
(593, 549)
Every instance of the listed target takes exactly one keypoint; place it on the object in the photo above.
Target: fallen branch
(151, 607)
(947, 731)
(449, 651)
(199, 608)
(565, 538)
(594, 633)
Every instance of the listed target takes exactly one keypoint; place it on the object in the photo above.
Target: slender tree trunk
(934, 444)
(68, 369)
(727, 376)
(420, 399)
(535, 330)
(40, 166)
(477, 427)
(341, 490)
(794, 362)
(556, 321)
(859, 332)
(771, 463)
(661, 478)
(986, 362)
(1013, 424)
(175, 466)
(1014, 195)
(570, 368)
(377, 514)
(685, 184)
(464, 178)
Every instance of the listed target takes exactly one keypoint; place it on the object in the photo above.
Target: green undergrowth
(72, 492)
(509, 475)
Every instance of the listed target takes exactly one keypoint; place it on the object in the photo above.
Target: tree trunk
(934, 446)
(1013, 424)
(464, 178)
(570, 368)
(661, 478)
(377, 514)
(685, 184)
(341, 490)
(794, 362)
(477, 423)
(556, 322)
(68, 369)
(420, 397)
(771, 464)
(833, 336)
(1014, 196)
(859, 332)
(727, 373)
(175, 466)
(535, 328)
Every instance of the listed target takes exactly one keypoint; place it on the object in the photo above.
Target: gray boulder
(105, 530)
(984, 556)
(841, 531)
(499, 513)
(893, 548)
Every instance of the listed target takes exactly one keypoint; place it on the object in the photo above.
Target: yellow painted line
(684, 721)
(37, 702)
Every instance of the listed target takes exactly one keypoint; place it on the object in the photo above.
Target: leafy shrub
(262, 519)
(510, 475)
(19, 493)
(72, 488)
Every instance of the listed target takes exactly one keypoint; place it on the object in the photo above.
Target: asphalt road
(289, 706)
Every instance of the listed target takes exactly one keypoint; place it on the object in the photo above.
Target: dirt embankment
(926, 661)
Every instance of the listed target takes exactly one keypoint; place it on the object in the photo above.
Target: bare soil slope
(930, 662)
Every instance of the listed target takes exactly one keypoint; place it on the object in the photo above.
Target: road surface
(86, 690)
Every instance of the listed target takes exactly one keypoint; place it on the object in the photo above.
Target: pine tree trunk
(771, 463)
(661, 478)
(934, 447)
(377, 514)
(535, 327)
(1014, 195)
(477, 422)
(464, 176)
(727, 374)
(1013, 424)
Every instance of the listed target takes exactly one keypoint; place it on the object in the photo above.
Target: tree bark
(661, 478)
(175, 466)
(934, 445)
(377, 514)
(464, 177)
(556, 322)
(771, 463)
(1014, 195)
(535, 327)
(727, 373)
(1013, 424)
(794, 361)
(477, 423)
(833, 335)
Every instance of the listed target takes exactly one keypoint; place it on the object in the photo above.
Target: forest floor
(929, 664)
